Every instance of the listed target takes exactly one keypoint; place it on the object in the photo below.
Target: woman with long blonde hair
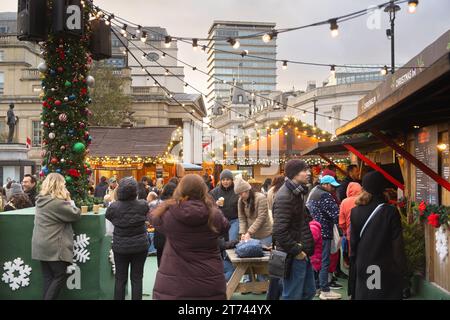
(52, 240)
(191, 267)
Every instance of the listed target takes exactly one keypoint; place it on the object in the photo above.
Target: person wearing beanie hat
(18, 200)
(253, 213)
(325, 210)
(292, 234)
(227, 202)
(376, 240)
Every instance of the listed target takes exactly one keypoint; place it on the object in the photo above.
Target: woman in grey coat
(52, 241)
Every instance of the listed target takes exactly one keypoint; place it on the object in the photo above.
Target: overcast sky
(356, 43)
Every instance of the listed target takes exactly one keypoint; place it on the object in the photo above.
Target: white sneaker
(330, 295)
(318, 292)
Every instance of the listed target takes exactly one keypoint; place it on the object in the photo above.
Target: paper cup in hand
(221, 201)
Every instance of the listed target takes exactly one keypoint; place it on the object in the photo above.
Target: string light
(267, 37)
(244, 53)
(167, 72)
(144, 56)
(442, 146)
(329, 119)
(333, 70)
(334, 28)
(144, 37)
(123, 31)
(195, 44)
(412, 6)
(234, 43)
(384, 71)
(167, 41)
(204, 48)
(138, 30)
(163, 55)
(284, 65)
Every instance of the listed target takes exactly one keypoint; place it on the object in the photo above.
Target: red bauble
(45, 104)
(54, 161)
(57, 103)
(74, 173)
(83, 91)
(60, 69)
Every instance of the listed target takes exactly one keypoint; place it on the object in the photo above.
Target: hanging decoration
(441, 244)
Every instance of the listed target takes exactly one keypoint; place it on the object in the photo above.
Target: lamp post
(392, 8)
(315, 112)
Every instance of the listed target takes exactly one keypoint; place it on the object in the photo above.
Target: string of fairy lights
(266, 37)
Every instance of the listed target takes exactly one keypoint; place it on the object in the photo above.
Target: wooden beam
(374, 166)
(331, 162)
(408, 156)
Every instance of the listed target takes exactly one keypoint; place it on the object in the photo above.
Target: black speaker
(32, 20)
(67, 17)
(100, 44)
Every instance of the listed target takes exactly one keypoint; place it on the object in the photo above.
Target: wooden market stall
(409, 113)
(137, 152)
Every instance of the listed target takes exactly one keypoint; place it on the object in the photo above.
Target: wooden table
(254, 266)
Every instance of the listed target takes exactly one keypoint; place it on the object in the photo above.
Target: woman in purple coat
(191, 266)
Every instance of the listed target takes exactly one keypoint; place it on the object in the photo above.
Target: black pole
(315, 113)
(392, 18)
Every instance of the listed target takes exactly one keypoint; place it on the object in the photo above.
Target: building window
(37, 134)
(240, 98)
(2, 82)
(3, 29)
(36, 88)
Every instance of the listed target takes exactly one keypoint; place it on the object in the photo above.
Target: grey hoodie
(52, 234)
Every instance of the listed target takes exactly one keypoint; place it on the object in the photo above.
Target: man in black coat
(352, 176)
(291, 232)
(377, 261)
(227, 201)
(29, 187)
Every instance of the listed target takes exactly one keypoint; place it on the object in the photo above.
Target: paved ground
(150, 273)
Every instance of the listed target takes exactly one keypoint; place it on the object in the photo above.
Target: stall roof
(416, 95)
(337, 146)
(140, 141)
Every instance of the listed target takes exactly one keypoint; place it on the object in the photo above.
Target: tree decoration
(434, 215)
(63, 104)
(90, 81)
(79, 147)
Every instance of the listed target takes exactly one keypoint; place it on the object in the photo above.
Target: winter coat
(353, 190)
(270, 197)
(32, 196)
(323, 209)
(257, 224)
(341, 191)
(381, 246)
(191, 266)
(128, 216)
(100, 190)
(291, 231)
(229, 209)
(159, 239)
(52, 238)
(316, 258)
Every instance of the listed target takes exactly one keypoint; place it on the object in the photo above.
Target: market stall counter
(90, 276)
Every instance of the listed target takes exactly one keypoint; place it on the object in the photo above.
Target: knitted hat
(293, 167)
(226, 174)
(16, 188)
(374, 183)
(240, 185)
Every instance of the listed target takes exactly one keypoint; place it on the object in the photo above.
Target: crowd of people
(15, 195)
(315, 223)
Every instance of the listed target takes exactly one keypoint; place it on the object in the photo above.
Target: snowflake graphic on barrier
(80, 251)
(16, 281)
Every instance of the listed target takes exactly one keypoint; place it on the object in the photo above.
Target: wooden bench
(252, 266)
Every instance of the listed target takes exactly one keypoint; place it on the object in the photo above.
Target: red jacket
(316, 258)
(353, 190)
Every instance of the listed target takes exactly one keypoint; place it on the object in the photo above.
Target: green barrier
(90, 279)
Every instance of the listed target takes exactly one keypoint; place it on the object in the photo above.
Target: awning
(337, 146)
(191, 166)
(140, 141)
(413, 96)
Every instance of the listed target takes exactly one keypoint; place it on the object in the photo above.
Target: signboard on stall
(426, 152)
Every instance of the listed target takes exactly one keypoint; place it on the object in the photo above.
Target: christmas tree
(65, 101)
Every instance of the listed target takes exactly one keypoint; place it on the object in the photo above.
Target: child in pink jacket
(316, 258)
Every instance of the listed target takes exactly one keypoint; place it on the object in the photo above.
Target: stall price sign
(426, 152)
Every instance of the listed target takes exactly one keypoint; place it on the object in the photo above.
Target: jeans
(228, 269)
(300, 284)
(55, 276)
(233, 233)
(137, 261)
(151, 247)
(323, 274)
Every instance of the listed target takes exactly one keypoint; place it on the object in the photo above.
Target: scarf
(297, 189)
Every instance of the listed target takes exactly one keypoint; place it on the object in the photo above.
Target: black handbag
(279, 264)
